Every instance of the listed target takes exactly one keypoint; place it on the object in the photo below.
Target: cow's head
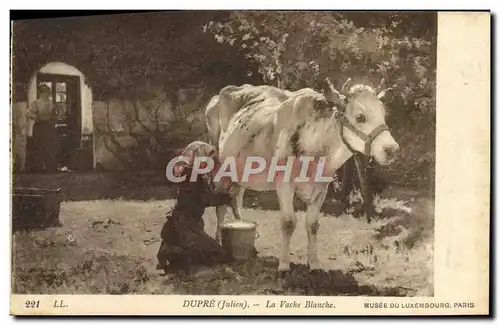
(362, 119)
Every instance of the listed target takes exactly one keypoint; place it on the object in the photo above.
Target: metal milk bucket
(238, 239)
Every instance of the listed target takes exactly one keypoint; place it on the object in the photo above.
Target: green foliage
(300, 49)
(121, 55)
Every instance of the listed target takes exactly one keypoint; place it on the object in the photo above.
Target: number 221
(32, 304)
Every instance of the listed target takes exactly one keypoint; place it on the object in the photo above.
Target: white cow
(269, 122)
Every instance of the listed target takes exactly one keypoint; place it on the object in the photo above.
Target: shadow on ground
(260, 277)
(119, 274)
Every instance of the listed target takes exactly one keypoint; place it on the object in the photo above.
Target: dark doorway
(66, 99)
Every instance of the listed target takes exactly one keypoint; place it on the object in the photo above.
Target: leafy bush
(300, 49)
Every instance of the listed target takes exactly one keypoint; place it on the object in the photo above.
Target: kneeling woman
(184, 240)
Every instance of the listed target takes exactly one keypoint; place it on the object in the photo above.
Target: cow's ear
(332, 95)
(346, 86)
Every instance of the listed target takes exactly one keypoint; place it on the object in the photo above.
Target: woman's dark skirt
(185, 243)
(43, 148)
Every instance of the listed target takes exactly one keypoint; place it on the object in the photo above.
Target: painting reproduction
(250, 162)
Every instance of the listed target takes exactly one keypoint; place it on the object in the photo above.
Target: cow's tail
(212, 121)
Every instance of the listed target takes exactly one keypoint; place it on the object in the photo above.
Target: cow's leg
(237, 193)
(312, 227)
(285, 194)
(220, 212)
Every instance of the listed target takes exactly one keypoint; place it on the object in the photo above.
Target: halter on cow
(367, 138)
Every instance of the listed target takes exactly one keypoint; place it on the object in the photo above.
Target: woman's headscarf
(192, 150)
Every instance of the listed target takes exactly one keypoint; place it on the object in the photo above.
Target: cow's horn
(333, 91)
(345, 85)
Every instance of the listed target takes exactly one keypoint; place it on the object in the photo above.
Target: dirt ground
(109, 246)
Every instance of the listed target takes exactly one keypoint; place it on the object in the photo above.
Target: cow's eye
(360, 118)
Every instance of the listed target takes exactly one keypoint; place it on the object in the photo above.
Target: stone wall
(131, 135)
(134, 136)
(18, 140)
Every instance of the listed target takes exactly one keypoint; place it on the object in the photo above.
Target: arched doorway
(71, 94)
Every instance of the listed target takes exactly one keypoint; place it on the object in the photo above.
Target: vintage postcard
(251, 163)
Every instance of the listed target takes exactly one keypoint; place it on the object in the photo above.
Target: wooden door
(67, 103)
